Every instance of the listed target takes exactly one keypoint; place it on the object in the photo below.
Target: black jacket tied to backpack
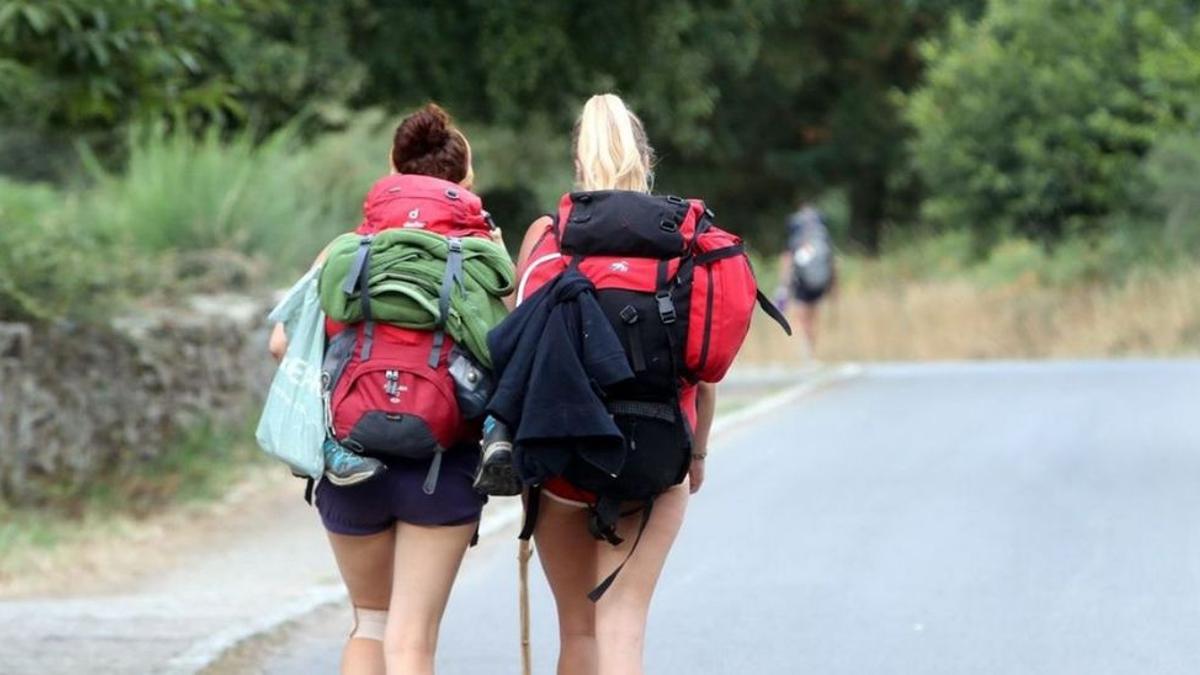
(640, 295)
(554, 354)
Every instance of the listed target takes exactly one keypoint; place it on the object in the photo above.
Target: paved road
(1002, 518)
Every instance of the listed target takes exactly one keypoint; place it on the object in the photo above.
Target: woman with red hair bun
(398, 547)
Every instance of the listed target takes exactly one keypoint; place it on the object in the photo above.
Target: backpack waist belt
(652, 409)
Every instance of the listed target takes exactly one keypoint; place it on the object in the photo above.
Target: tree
(507, 61)
(818, 109)
(1035, 119)
(93, 66)
(750, 101)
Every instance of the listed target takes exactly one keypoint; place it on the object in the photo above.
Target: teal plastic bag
(292, 426)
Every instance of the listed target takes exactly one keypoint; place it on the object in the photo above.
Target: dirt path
(152, 599)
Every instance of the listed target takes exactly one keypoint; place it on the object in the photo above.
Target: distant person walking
(806, 273)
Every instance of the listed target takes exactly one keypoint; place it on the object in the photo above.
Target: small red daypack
(388, 389)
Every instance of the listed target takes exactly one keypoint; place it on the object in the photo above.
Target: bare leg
(426, 561)
(568, 555)
(366, 566)
(805, 315)
(621, 614)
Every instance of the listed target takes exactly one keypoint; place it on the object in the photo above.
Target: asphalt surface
(995, 518)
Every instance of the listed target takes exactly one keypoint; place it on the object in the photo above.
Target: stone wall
(80, 402)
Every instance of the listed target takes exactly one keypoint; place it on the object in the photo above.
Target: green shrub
(182, 193)
(1034, 120)
(52, 265)
(274, 201)
(1173, 170)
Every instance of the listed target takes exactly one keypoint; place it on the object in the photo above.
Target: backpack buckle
(451, 193)
(668, 226)
(675, 200)
(629, 315)
(666, 307)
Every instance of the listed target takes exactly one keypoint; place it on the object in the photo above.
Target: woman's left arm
(706, 408)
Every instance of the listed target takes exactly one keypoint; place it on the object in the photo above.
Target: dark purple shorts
(376, 505)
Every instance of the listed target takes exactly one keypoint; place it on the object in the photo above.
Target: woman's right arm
(278, 342)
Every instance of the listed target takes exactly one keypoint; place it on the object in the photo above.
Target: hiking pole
(524, 552)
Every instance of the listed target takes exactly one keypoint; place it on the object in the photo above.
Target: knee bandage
(369, 624)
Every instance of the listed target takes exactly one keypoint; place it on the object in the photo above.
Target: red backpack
(698, 275)
(679, 292)
(388, 390)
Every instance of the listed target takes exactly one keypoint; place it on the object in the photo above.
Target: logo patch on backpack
(619, 266)
(413, 220)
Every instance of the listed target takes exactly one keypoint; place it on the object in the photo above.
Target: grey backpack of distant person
(812, 250)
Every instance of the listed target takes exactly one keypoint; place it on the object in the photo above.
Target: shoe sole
(352, 479)
(497, 475)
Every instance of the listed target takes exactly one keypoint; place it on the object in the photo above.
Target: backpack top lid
(423, 202)
(624, 222)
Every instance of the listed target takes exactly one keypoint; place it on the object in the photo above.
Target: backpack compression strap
(532, 504)
(435, 469)
(356, 279)
(598, 592)
(602, 522)
(453, 275)
(772, 311)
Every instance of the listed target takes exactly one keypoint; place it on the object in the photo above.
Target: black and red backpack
(389, 391)
(679, 292)
(656, 257)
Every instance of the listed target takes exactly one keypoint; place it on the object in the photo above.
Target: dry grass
(1150, 313)
(109, 550)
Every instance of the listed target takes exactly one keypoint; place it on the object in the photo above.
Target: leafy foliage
(498, 61)
(1035, 119)
(752, 102)
(817, 109)
(1005, 117)
(92, 64)
(186, 212)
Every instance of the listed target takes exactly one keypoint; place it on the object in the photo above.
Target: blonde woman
(606, 637)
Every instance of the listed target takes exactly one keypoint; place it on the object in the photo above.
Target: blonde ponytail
(611, 151)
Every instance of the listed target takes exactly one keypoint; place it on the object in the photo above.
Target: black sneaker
(497, 475)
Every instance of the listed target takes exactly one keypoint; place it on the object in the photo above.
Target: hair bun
(423, 132)
(428, 143)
